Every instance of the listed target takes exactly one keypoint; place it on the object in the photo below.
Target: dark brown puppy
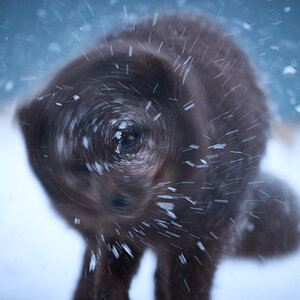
(151, 140)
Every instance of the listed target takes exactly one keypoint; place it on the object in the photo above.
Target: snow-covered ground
(40, 257)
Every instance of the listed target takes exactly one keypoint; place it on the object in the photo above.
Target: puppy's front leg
(184, 276)
(107, 272)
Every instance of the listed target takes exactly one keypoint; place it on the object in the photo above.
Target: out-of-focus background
(38, 35)
(40, 257)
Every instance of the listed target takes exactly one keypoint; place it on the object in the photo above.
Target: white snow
(41, 257)
(85, 142)
(76, 221)
(201, 246)
(157, 116)
(54, 47)
(130, 51)
(9, 85)
(127, 249)
(247, 26)
(182, 258)
(166, 205)
(93, 262)
(289, 70)
(41, 13)
(217, 146)
(115, 252)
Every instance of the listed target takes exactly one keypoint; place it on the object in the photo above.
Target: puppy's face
(107, 136)
(112, 153)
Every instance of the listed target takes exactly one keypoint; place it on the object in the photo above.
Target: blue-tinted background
(37, 36)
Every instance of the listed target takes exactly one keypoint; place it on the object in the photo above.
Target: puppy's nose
(120, 201)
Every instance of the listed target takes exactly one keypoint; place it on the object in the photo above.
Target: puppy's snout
(119, 202)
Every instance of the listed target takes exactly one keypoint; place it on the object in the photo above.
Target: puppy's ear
(150, 72)
(157, 68)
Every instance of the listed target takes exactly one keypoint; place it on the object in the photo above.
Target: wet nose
(120, 201)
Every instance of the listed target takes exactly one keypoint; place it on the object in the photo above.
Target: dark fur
(176, 61)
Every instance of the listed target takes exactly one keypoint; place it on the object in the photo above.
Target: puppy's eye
(128, 140)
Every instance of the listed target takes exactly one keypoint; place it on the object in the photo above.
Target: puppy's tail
(273, 226)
